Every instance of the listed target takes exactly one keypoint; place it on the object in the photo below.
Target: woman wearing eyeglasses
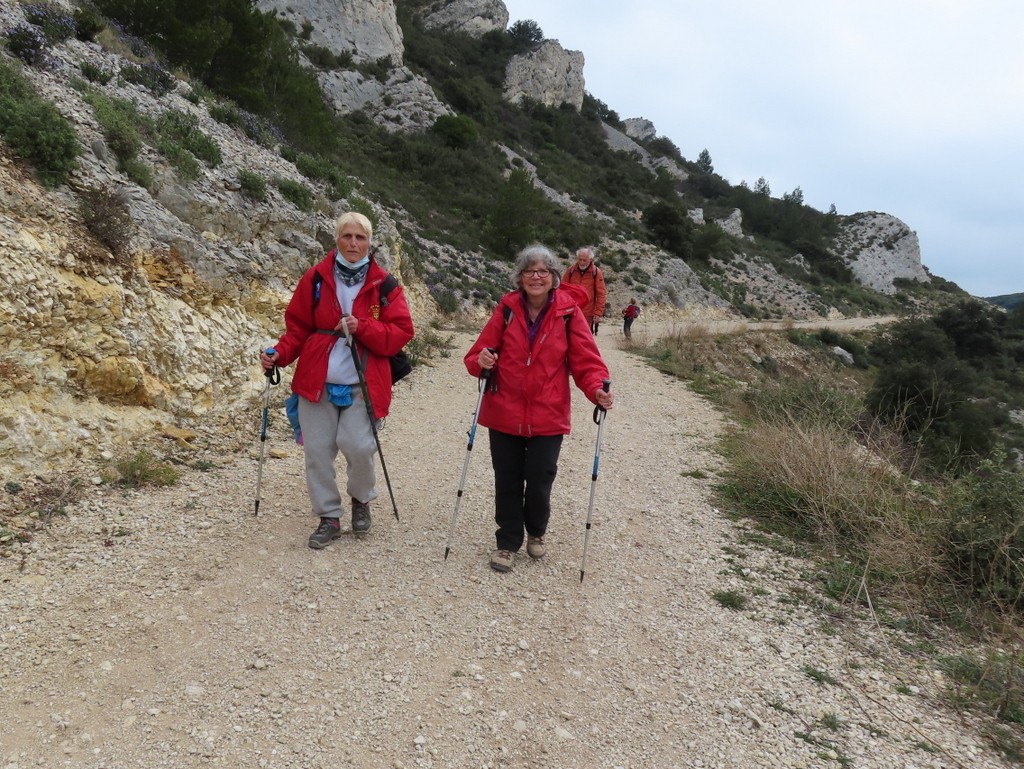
(536, 338)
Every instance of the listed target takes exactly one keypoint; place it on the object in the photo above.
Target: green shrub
(151, 76)
(118, 119)
(184, 129)
(141, 469)
(139, 172)
(35, 130)
(324, 58)
(227, 114)
(296, 193)
(89, 22)
(426, 344)
(986, 535)
(447, 301)
(806, 400)
(456, 131)
(94, 73)
(253, 185)
(183, 161)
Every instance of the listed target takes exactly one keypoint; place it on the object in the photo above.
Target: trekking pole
(273, 375)
(599, 414)
(369, 412)
(485, 375)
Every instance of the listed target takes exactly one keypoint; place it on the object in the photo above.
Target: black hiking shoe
(360, 517)
(329, 529)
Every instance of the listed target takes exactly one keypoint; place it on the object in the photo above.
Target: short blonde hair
(348, 218)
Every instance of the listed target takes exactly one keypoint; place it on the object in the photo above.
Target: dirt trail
(205, 637)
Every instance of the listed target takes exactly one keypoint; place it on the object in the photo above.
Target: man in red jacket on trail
(587, 275)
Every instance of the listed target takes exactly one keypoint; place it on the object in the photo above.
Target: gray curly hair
(531, 255)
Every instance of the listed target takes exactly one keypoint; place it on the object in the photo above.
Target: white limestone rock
(473, 17)
(368, 29)
(550, 75)
(879, 248)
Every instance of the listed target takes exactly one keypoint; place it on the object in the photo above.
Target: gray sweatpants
(327, 429)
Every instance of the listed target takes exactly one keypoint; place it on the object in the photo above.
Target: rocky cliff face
(879, 249)
(472, 17)
(367, 29)
(550, 75)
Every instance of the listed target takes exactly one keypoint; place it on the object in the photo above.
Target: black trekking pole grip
(273, 373)
(600, 411)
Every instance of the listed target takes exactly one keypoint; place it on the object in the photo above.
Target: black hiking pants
(524, 472)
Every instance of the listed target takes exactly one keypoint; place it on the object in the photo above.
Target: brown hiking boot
(501, 560)
(535, 546)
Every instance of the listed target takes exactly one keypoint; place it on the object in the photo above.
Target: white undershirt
(340, 367)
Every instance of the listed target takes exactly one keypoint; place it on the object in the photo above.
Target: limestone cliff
(473, 17)
(550, 74)
(879, 249)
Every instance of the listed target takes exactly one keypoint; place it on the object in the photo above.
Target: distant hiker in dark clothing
(342, 292)
(588, 276)
(631, 313)
(541, 338)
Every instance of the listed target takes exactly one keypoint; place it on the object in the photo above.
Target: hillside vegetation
(897, 463)
(253, 71)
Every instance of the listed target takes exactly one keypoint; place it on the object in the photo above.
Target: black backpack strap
(318, 281)
(390, 284)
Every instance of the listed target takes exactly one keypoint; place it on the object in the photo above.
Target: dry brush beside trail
(205, 637)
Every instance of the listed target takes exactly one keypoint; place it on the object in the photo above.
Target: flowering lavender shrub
(28, 43)
(55, 23)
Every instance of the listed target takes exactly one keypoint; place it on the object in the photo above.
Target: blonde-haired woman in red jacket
(537, 337)
(344, 289)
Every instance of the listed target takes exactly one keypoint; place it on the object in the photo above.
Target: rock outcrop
(639, 128)
(879, 249)
(549, 74)
(622, 142)
(472, 17)
(367, 29)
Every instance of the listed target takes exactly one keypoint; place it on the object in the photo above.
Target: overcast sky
(911, 107)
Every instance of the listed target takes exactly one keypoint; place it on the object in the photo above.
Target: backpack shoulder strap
(390, 284)
(318, 281)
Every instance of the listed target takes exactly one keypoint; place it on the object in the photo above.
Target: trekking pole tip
(446, 551)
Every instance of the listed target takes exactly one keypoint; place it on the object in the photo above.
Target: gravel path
(205, 637)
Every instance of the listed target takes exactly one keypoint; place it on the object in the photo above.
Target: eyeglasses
(536, 273)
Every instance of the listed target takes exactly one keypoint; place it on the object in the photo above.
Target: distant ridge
(1009, 301)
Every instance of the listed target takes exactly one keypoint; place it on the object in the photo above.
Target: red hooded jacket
(533, 396)
(382, 332)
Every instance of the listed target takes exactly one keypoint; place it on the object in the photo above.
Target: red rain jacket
(533, 396)
(382, 332)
